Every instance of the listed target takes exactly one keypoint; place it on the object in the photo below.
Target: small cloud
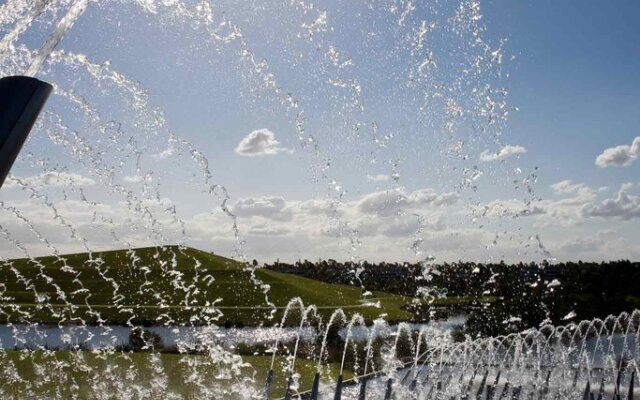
(51, 179)
(624, 206)
(260, 142)
(378, 178)
(502, 153)
(619, 156)
(267, 206)
(168, 152)
(392, 202)
(566, 186)
(137, 178)
(627, 186)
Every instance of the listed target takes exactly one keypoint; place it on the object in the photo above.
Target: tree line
(521, 296)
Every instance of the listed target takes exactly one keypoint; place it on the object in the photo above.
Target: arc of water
(36, 9)
(63, 27)
(292, 302)
(305, 314)
(355, 319)
(337, 313)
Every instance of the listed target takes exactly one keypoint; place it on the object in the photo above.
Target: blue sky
(575, 81)
(397, 95)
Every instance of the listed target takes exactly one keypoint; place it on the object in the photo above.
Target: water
(115, 163)
(25, 336)
(64, 25)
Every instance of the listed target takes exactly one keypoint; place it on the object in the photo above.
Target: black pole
(315, 386)
(389, 391)
(363, 389)
(21, 100)
(505, 391)
(338, 394)
(287, 395)
(491, 391)
(587, 391)
(495, 382)
(269, 384)
(482, 383)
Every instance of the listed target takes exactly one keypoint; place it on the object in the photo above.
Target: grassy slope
(60, 370)
(163, 285)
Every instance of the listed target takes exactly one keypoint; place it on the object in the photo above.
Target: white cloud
(588, 244)
(261, 206)
(502, 153)
(510, 208)
(578, 203)
(168, 151)
(164, 154)
(566, 186)
(387, 224)
(137, 178)
(624, 206)
(52, 179)
(565, 211)
(392, 202)
(260, 142)
(619, 156)
(378, 178)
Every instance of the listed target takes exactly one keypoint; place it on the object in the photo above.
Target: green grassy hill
(166, 285)
(63, 374)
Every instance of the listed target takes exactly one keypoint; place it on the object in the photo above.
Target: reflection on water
(102, 337)
(53, 337)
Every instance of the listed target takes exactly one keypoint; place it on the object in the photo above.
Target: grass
(61, 374)
(166, 285)
(460, 301)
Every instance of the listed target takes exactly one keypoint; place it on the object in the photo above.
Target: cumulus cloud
(510, 208)
(387, 223)
(168, 151)
(502, 153)
(317, 224)
(137, 178)
(164, 154)
(391, 202)
(588, 244)
(577, 203)
(260, 142)
(619, 156)
(378, 178)
(566, 186)
(565, 211)
(262, 206)
(624, 206)
(52, 179)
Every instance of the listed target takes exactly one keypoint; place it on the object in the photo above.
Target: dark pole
(267, 388)
(315, 386)
(21, 100)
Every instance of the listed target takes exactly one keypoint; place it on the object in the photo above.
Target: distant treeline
(522, 295)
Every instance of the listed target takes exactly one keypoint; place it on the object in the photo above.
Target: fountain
(131, 84)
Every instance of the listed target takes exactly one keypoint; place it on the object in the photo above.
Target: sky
(379, 130)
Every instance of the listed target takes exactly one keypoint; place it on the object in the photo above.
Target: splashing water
(63, 26)
(108, 168)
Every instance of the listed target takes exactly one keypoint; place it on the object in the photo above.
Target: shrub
(144, 340)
